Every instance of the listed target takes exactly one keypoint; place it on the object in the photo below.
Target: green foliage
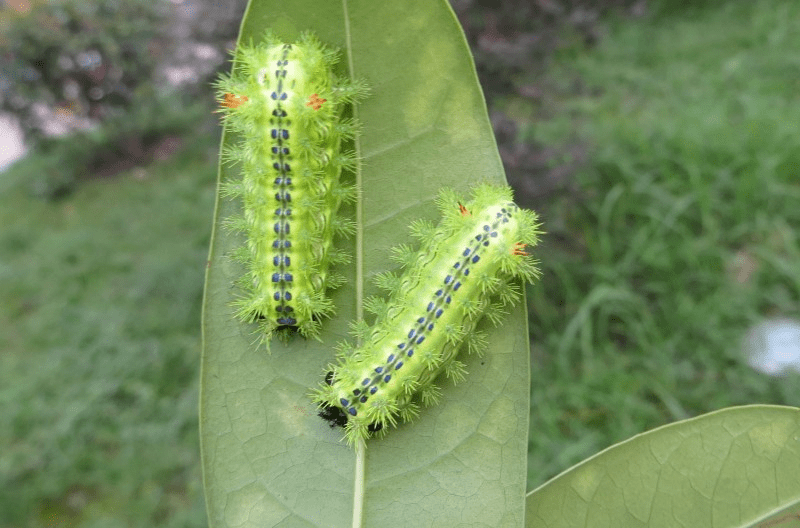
(682, 234)
(98, 377)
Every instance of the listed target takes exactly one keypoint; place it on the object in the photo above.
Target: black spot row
(282, 277)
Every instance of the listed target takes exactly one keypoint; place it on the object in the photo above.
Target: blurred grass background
(100, 336)
(680, 231)
(660, 145)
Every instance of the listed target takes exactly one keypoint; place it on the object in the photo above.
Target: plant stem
(358, 487)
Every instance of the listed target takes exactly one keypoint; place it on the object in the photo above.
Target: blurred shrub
(153, 131)
(97, 70)
(78, 60)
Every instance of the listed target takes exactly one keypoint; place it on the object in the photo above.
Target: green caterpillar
(466, 268)
(288, 109)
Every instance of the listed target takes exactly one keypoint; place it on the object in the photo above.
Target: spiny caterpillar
(465, 269)
(287, 107)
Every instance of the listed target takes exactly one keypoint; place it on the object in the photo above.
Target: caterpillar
(288, 109)
(466, 268)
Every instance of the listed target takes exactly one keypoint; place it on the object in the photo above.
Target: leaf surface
(734, 468)
(268, 459)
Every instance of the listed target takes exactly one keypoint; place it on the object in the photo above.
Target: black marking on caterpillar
(288, 109)
(466, 268)
(335, 416)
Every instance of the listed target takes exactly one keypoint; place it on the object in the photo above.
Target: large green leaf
(732, 468)
(268, 460)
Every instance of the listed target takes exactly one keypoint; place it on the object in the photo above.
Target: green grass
(693, 128)
(101, 340)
